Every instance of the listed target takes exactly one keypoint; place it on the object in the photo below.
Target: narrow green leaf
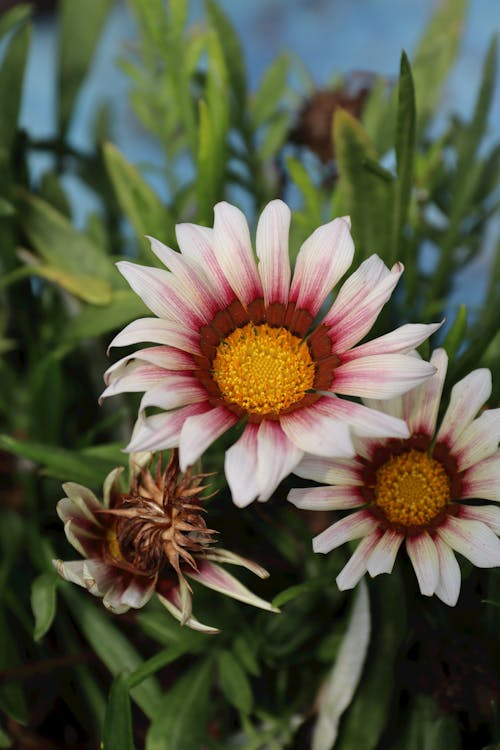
(117, 732)
(183, 714)
(124, 307)
(300, 588)
(207, 169)
(11, 84)
(43, 602)
(272, 86)
(13, 17)
(233, 52)
(455, 336)
(428, 728)
(6, 208)
(155, 663)
(80, 27)
(275, 135)
(234, 683)
(310, 193)
(90, 289)
(12, 699)
(5, 740)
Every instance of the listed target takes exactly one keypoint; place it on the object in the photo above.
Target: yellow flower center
(114, 545)
(262, 369)
(412, 489)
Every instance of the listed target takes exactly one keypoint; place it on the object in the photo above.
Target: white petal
(326, 498)
(359, 302)
(424, 558)
(172, 602)
(467, 397)
(196, 242)
(421, 405)
(233, 250)
(355, 568)
(391, 406)
(174, 391)
(71, 571)
(162, 431)
(240, 467)
(448, 587)
(272, 250)
(138, 592)
(161, 356)
(220, 555)
(483, 479)
(133, 377)
(322, 260)
(277, 456)
(473, 539)
(477, 441)
(488, 514)
(158, 331)
(315, 432)
(380, 376)
(400, 341)
(358, 524)
(365, 422)
(383, 557)
(200, 431)
(215, 577)
(330, 470)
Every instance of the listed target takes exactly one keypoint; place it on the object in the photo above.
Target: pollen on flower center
(411, 489)
(263, 369)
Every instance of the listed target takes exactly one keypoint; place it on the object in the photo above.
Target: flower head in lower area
(421, 490)
(150, 539)
(238, 341)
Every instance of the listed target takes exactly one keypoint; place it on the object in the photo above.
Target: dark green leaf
(233, 53)
(266, 99)
(234, 683)
(43, 602)
(14, 16)
(155, 663)
(300, 588)
(12, 699)
(11, 84)
(455, 336)
(428, 728)
(117, 733)
(5, 740)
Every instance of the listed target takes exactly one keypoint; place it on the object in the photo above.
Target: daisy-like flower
(422, 490)
(240, 341)
(150, 539)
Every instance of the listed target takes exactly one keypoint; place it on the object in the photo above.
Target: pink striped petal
(467, 397)
(400, 341)
(163, 294)
(322, 260)
(315, 432)
(83, 499)
(162, 431)
(359, 302)
(383, 557)
(224, 556)
(488, 514)
(132, 378)
(391, 406)
(483, 480)
(326, 498)
(215, 577)
(240, 467)
(139, 591)
(421, 405)
(196, 242)
(358, 524)
(477, 441)
(174, 391)
(272, 250)
(161, 356)
(473, 539)
(200, 431)
(380, 376)
(71, 571)
(365, 422)
(424, 558)
(277, 456)
(172, 603)
(355, 568)
(233, 250)
(158, 331)
(331, 470)
(448, 587)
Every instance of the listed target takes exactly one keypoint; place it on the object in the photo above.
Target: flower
(148, 540)
(418, 489)
(237, 341)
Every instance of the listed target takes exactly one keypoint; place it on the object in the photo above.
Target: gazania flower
(148, 540)
(420, 490)
(238, 341)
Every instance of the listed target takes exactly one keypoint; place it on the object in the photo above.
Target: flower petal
(272, 250)
(172, 602)
(355, 568)
(488, 514)
(359, 302)
(200, 430)
(215, 577)
(219, 555)
(133, 377)
(240, 467)
(330, 470)
(156, 330)
(233, 250)
(473, 539)
(326, 498)
(196, 242)
(421, 405)
(483, 479)
(380, 376)
(467, 397)
(448, 587)
(477, 441)
(322, 260)
(383, 557)
(277, 456)
(162, 431)
(160, 356)
(365, 422)
(400, 341)
(174, 391)
(71, 571)
(315, 432)
(358, 524)
(424, 558)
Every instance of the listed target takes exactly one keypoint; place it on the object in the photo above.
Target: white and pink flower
(421, 490)
(242, 341)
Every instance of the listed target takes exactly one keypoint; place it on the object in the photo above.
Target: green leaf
(300, 588)
(207, 168)
(138, 201)
(6, 208)
(455, 336)
(117, 732)
(11, 84)
(155, 663)
(5, 740)
(124, 307)
(111, 646)
(12, 699)
(275, 135)
(310, 193)
(405, 152)
(266, 99)
(234, 683)
(80, 27)
(13, 17)
(428, 728)
(43, 602)
(232, 50)
(183, 714)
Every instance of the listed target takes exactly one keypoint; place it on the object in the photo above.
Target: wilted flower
(413, 490)
(148, 540)
(238, 342)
